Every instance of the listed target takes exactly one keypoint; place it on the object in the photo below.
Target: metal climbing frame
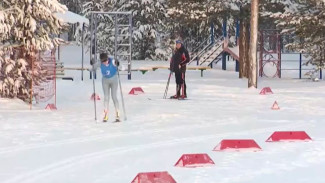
(122, 47)
(270, 51)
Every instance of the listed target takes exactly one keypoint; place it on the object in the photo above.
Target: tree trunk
(252, 75)
(243, 49)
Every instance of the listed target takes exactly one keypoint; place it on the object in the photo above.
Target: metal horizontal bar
(293, 60)
(123, 35)
(124, 25)
(293, 53)
(112, 13)
(124, 45)
(297, 69)
(123, 54)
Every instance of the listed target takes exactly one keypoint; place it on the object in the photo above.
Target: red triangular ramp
(194, 160)
(289, 136)
(136, 91)
(153, 177)
(237, 145)
(275, 106)
(51, 107)
(266, 91)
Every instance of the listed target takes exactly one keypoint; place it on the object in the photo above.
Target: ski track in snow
(77, 160)
(98, 137)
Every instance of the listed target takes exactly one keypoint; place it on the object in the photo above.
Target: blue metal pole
(300, 65)
(224, 29)
(237, 66)
(237, 37)
(320, 74)
(237, 31)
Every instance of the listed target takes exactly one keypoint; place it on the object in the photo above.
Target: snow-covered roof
(70, 17)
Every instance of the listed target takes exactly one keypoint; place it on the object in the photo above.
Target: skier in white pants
(108, 67)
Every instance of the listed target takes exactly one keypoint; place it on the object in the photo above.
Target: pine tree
(73, 5)
(192, 19)
(305, 20)
(105, 23)
(27, 27)
(149, 21)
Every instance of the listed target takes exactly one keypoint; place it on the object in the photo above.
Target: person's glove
(92, 62)
(117, 63)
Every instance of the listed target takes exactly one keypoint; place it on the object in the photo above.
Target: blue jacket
(109, 70)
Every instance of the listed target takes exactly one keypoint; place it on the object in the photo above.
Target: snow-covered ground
(69, 146)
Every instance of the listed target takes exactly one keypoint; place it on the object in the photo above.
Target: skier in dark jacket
(178, 65)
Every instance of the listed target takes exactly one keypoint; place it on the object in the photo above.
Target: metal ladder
(123, 29)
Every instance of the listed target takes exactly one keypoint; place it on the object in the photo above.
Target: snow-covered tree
(105, 23)
(105, 29)
(149, 21)
(306, 21)
(192, 18)
(5, 26)
(73, 5)
(26, 28)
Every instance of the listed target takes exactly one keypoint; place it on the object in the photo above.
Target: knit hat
(178, 42)
(103, 57)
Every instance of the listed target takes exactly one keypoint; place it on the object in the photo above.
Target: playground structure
(273, 61)
(216, 49)
(269, 52)
(122, 22)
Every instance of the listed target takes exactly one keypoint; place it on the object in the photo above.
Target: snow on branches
(27, 27)
(305, 20)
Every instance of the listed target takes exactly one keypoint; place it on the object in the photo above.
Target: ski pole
(119, 80)
(94, 94)
(166, 90)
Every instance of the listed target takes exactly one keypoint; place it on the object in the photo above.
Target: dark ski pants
(180, 83)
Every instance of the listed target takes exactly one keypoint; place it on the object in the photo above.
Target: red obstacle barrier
(93, 96)
(275, 106)
(237, 145)
(194, 160)
(266, 91)
(136, 91)
(51, 107)
(154, 177)
(288, 136)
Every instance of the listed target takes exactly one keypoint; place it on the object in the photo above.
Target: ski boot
(117, 117)
(105, 116)
(182, 97)
(174, 97)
